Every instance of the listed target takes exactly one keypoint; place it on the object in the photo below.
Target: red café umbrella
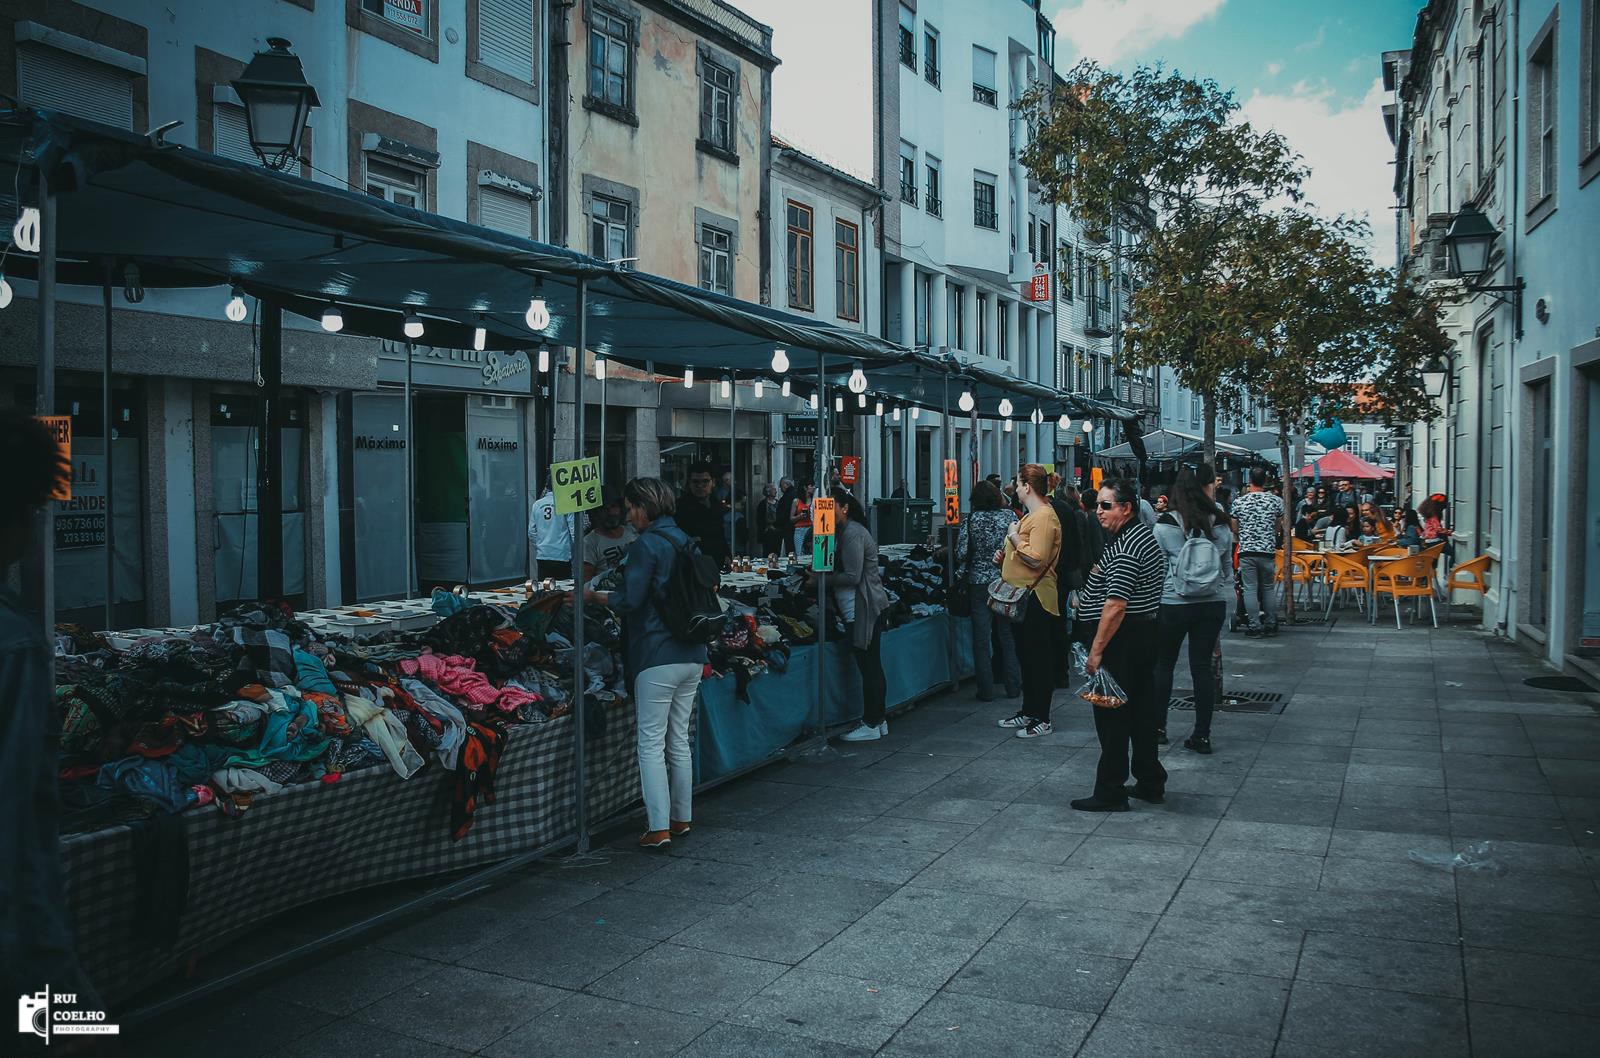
(1341, 464)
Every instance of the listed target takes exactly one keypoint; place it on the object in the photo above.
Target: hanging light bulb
(966, 403)
(25, 233)
(688, 378)
(1037, 416)
(1008, 425)
(877, 409)
(413, 325)
(5, 292)
(1005, 407)
(813, 402)
(332, 319)
(727, 388)
(759, 388)
(896, 413)
(838, 405)
(786, 389)
(480, 336)
(600, 367)
(858, 380)
(861, 400)
(916, 413)
(544, 358)
(236, 310)
(1088, 427)
(538, 314)
(780, 361)
(1065, 422)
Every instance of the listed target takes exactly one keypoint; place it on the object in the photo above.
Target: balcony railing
(986, 217)
(983, 94)
(931, 72)
(908, 50)
(908, 192)
(934, 206)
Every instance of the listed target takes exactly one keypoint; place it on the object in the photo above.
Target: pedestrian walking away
(981, 535)
(1032, 550)
(1118, 612)
(663, 671)
(551, 534)
(1259, 514)
(858, 592)
(1198, 545)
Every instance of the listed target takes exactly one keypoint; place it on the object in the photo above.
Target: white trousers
(664, 699)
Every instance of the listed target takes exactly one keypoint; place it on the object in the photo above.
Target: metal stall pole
(411, 484)
(823, 451)
(605, 380)
(109, 477)
(269, 458)
(733, 468)
(44, 400)
(579, 709)
(949, 541)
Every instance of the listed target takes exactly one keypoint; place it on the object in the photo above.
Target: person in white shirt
(552, 537)
(608, 539)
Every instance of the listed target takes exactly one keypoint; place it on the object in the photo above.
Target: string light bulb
(877, 409)
(759, 387)
(544, 359)
(1008, 425)
(688, 378)
(480, 336)
(332, 319)
(780, 360)
(838, 405)
(25, 232)
(412, 325)
(5, 292)
(1065, 422)
(786, 389)
(538, 314)
(1005, 407)
(1037, 417)
(236, 310)
(965, 402)
(858, 380)
(916, 413)
(813, 402)
(861, 400)
(1088, 427)
(895, 415)
(600, 367)
(727, 388)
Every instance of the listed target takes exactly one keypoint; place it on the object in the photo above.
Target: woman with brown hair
(982, 533)
(1028, 560)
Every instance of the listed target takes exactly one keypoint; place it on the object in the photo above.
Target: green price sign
(822, 549)
(577, 485)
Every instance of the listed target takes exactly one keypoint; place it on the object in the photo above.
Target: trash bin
(904, 521)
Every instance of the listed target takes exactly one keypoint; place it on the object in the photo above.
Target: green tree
(1166, 159)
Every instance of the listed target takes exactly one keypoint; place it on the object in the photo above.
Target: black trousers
(1201, 623)
(874, 685)
(1037, 638)
(1130, 658)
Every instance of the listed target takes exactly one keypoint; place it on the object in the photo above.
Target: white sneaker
(863, 733)
(1017, 721)
(1035, 729)
(883, 729)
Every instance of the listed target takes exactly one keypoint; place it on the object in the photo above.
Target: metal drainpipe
(1508, 565)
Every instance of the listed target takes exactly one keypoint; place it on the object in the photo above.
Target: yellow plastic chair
(1299, 571)
(1345, 573)
(1471, 575)
(1408, 578)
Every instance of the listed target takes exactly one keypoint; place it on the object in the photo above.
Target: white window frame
(716, 245)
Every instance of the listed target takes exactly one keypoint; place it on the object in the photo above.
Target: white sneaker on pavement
(883, 729)
(863, 733)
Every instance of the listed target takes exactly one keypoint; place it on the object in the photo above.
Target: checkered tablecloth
(314, 841)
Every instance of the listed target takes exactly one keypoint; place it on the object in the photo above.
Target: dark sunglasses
(1104, 506)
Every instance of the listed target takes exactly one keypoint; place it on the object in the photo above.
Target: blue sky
(1308, 68)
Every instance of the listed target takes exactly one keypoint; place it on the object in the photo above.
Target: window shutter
(230, 137)
(1535, 97)
(505, 211)
(1588, 121)
(505, 36)
(57, 80)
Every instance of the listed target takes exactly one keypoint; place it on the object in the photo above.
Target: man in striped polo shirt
(1118, 608)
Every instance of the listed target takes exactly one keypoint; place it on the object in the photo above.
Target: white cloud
(1108, 30)
(1274, 69)
(1346, 149)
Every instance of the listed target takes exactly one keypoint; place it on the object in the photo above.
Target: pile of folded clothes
(257, 702)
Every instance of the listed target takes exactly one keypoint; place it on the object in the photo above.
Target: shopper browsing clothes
(981, 535)
(1198, 544)
(551, 534)
(1118, 611)
(1032, 549)
(701, 517)
(858, 593)
(36, 943)
(663, 671)
(608, 538)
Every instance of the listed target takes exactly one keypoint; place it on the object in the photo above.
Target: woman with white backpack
(1198, 540)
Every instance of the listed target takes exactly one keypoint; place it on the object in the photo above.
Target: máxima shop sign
(456, 368)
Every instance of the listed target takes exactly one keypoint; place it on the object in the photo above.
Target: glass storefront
(235, 421)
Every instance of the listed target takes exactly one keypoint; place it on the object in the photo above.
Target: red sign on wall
(1038, 288)
(849, 470)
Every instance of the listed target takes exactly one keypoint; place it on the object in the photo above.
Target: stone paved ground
(933, 895)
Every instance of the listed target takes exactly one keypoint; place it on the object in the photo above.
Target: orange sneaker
(679, 829)
(655, 839)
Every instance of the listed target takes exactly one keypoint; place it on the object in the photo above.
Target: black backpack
(688, 602)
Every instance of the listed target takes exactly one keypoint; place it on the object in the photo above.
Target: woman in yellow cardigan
(1033, 547)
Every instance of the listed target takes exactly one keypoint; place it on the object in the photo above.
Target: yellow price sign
(822, 516)
(577, 485)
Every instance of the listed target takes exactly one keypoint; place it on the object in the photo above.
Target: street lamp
(277, 101)
(1435, 376)
(1468, 242)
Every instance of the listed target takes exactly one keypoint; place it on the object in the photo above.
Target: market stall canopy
(1341, 464)
(188, 218)
(1170, 444)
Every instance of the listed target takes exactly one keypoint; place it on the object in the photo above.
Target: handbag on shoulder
(1011, 601)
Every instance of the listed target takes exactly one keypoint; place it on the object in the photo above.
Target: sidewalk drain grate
(1239, 702)
(1558, 683)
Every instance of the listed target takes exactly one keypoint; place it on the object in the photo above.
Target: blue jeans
(983, 621)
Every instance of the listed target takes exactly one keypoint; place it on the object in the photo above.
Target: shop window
(716, 260)
(55, 79)
(611, 69)
(983, 330)
(801, 295)
(1002, 319)
(235, 423)
(847, 270)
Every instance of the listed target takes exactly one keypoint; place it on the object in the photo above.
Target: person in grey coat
(858, 593)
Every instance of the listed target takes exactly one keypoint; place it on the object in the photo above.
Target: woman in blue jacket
(664, 672)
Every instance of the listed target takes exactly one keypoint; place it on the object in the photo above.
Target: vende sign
(1038, 288)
